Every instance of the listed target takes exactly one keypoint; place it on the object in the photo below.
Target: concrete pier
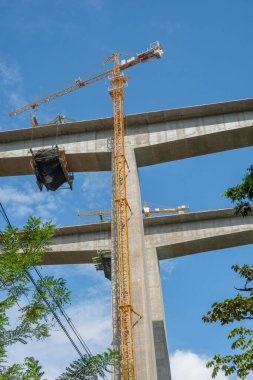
(152, 138)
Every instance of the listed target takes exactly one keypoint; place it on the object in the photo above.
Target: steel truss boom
(154, 51)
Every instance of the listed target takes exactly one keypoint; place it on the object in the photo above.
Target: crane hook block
(50, 168)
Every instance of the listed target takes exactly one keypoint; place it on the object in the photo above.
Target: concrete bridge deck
(155, 136)
(171, 236)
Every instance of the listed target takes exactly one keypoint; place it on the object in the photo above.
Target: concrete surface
(155, 136)
(151, 138)
(171, 236)
(165, 237)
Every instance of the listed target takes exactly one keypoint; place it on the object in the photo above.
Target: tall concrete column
(145, 365)
(157, 314)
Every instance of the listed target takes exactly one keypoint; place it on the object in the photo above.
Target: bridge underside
(165, 237)
(171, 236)
(155, 137)
(152, 138)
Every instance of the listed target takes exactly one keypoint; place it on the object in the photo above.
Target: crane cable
(63, 312)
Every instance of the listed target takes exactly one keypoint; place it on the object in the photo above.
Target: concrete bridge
(151, 138)
(171, 236)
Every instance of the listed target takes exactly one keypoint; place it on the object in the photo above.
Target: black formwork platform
(50, 168)
(107, 267)
(103, 262)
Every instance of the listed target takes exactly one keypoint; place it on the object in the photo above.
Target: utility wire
(41, 293)
(51, 308)
(67, 318)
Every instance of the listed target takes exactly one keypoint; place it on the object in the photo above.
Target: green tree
(30, 370)
(239, 308)
(84, 369)
(20, 252)
(242, 194)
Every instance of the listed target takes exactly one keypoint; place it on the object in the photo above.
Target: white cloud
(97, 187)
(26, 201)
(101, 286)
(13, 96)
(92, 319)
(11, 83)
(9, 74)
(167, 267)
(11, 91)
(190, 366)
(90, 313)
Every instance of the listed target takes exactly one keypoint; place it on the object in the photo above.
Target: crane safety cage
(50, 168)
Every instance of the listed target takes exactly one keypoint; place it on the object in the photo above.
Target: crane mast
(121, 222)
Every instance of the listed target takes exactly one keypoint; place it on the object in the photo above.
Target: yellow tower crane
(100, 213)
(148, 211)
(118, 81)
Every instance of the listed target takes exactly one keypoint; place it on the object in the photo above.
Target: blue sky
(208, 56)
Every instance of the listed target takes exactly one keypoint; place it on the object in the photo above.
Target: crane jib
(154, 52)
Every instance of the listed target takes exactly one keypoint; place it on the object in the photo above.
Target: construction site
(147, 235)
(129, 245)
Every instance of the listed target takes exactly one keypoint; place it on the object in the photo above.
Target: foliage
(231, 310)
(239, 308)
(20, 252)
(242, 194)
(30, 370)
(84, 369)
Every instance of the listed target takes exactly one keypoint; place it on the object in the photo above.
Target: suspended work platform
(103, 262)
(51, 169)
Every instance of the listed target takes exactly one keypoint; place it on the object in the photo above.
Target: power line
(58, 305)
(66, 317)
(40, 291)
